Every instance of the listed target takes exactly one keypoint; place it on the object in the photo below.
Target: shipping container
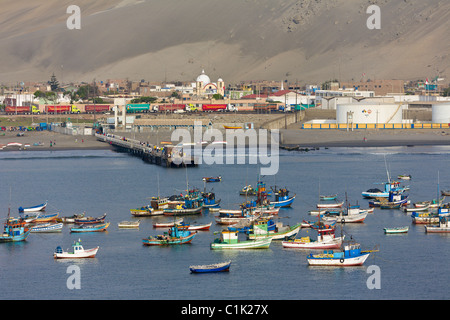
(214, 107)
(96, 108)
(138, 107)
(171, 107)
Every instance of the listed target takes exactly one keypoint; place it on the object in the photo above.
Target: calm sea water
(412, 265)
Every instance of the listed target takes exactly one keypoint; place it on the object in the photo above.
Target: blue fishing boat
(216, 267)
(176, 235)
(191, 206)
(40, 207)
(212, 179)
(282, 199)
(209, 200)
(388, 186)
(351, 255)
(15, 230)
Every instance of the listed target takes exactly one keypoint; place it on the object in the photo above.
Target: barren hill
(306, 40)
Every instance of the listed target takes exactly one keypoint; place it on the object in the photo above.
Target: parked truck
(171, 107)
(96, 108)
(59, 109)
(138, 108)
(21, 110)
(214, 107)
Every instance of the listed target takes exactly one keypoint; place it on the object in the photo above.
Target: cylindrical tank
(440, 113)
(369, 113)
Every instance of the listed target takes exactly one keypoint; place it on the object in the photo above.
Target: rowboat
(328, 198)
(45, 217)
(351, 255)
(396, 230)
(40, 207)
(443, 227)
(175, 236)
(77, 252)
(229, 241)
(425, 208)
(129, 224)
(15, 230)
(346, 217)
(71, 219)
(212, 179)
(167, 224)
(91, 228)
(431, 203)
(261, 230)
(48, 227)
(216, 267)
(330, 205)
(325, 240)
(91, 220)
(404, 177)
(203, 227)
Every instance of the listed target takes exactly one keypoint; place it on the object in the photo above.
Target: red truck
(62, 109)
(98, 108)
(21, 110)
(214, 107)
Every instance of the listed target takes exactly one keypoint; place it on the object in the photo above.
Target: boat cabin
(229, 236)
(159, 203)
(352, 250)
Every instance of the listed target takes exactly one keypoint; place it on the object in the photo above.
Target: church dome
(203, 78)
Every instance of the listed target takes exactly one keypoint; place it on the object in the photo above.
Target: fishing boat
(209, 200)
(47, 227)
(229, 241)
(282, 198)
(91, 220)
(175, 236)
(247, 191)
(388, 186)
(156, 208)
(425, 217)
(351, 255)
(328, 198)
(445, 192)
(201, 227)
(167, 224)
(40, 207)
(71, 219)
(414, 209)
(191, 206)
(207, 268)
(15, 230)
(263, 228)
(396, 230)
(404, 177)
(40, 217)
(430, 203)
(91, 228)
(330, 205)
(346, 216)
(394, 201)
(443, 227)
(129, 224)
(212, 179)
(326, 239)
(78, 252)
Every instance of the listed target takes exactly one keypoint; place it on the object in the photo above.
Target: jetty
(167, 155)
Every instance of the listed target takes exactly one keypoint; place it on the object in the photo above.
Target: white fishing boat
(443, 227)
(78, 252)
(325, 240)
(351, 255)
(396, 230)
(129, 224)
(167, 224)
(229, 241)
(47, 227)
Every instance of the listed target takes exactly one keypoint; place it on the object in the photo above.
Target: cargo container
(62, 109)
(96, 108)
(21, 110)
(214, 107)
(138, 107)
(245, 108)
(171, 107)
(265, 107)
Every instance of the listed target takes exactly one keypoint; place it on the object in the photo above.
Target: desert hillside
(306, 40)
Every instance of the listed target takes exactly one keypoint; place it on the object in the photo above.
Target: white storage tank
(440, 113)
(370, 113)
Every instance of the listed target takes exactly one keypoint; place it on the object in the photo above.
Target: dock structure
(166, 156)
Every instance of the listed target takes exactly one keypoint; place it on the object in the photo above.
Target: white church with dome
(203, 86)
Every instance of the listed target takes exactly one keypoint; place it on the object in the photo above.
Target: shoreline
(288, 138)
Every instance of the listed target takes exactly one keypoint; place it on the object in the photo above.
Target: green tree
(217, 96)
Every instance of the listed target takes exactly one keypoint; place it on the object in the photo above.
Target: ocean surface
(411, 266)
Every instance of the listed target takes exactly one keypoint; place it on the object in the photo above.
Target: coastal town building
(379, 87)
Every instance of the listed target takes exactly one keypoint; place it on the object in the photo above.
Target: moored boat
(212, 179)
(78, 252)
(425, 217)
(351, 255)
(129, 224)
(216, 267)
(229, 241)
(91, 220)
(71, 219)
(47, 227)
(91, 228)
(282, 198)
(443, 227)
(330, 205)
(202, 227)
(167, 224)
(40, 207)
(328, 198)
(190, 206)
(277, 231)
(326, 239)
(15, 229)
(396, 230)
(404, 177)
(177, 235)
(156, 208)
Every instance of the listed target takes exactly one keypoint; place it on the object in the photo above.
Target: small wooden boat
(445, 192)
(40, 207)
(216, 267)
(229, 241)
(175, 236)
(430, 204)
(328, 198)
(129, 224)
(425, 208)
(91, 228)
(78, 252)
(203, 227)
(351, 255)
(325, 240)
(71, 219)
(261, 229)
(15, 230)
(404, 177)
(91, 220)
(212, 179)
(167, 224)
(47, 227)
(396, 230)
(330, 205)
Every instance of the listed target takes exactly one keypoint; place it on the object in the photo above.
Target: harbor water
(409, 266)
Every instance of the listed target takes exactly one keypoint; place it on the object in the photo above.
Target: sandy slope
(307, 40)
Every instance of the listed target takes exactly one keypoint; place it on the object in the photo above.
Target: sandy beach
(289, 137)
